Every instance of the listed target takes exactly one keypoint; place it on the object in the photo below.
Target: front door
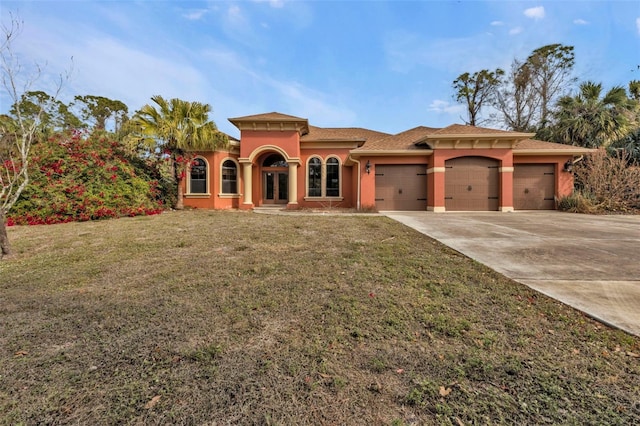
(275, 187)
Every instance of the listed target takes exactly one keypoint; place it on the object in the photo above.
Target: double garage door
(471, 184)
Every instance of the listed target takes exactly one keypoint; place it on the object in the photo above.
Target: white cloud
(405, 51)
(276, 4)
(261, 92)
(497, 23)
(638, 25)
(195, 15)
(234, 13)
(134, 76)
(515, 30)
(580, 22)
(441, 106)
(535, 12)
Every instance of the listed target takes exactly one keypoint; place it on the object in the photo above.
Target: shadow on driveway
(588, 262)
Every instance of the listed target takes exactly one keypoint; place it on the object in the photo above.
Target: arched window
(274, 160)
(198, 177)
(314, 166)
(333, 177)
(229, 177)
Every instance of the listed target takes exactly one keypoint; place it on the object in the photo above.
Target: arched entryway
(275, 179)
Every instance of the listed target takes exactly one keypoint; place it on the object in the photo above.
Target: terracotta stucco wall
(346, 187)
(214, 199)
(564, 180)
(255, 142)
(436, 182)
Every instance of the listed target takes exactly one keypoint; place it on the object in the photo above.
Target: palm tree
(592, 121)
(177, 129)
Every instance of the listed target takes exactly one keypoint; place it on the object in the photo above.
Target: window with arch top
(315, 177)
(198, 177)
(323, 178)
(229, 177)
(333, 177)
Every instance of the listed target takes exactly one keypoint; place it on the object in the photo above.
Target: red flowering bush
(79, 177)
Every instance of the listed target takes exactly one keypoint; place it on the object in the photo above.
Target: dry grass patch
(238, 318)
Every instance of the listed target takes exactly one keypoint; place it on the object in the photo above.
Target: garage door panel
(534, 187)
(471, 184)
(401, 187)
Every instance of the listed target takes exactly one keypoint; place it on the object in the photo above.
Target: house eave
(391, 152)
(327, 144)
(531, 152)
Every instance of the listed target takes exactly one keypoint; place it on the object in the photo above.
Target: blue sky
(383, 65)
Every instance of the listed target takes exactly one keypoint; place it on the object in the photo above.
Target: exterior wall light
(568, 166)
(367, 167)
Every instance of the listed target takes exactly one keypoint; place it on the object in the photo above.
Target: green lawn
(201, 317)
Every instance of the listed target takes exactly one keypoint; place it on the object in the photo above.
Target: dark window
(315, 176)
(333, 177)
(198, 176)
(229, 177)
(274, 160)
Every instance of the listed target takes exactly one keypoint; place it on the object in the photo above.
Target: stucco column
(247, 178)
(293, 183)
(506, 189)
(435, 188)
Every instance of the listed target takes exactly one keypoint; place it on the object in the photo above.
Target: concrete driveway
(589, 262)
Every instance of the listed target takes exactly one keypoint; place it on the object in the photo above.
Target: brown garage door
(471, 183)
(401, 187)
(534, 186)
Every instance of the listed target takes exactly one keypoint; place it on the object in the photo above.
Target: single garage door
(401, 187)
(534, 186)
(471, 183)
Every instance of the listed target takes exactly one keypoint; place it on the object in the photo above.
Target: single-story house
(283, 160)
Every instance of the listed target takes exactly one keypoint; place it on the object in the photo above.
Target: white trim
(324, 198)
(264, 148)
(237, 193)
(339, 176)
(323, 179)
(207, 180)
(306, 176)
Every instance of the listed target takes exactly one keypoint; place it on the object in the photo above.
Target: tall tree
(551, 68)
(516, 99)
(634, 89)
(18, 131)
(177, 128)
(476, 90)
(591, 119)
(53, 114)
(98, 110)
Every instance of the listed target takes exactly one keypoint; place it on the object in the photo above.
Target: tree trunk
(180, 200)
(5, 248)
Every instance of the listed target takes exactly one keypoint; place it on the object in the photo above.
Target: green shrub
(75, 177)
(577, 202)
